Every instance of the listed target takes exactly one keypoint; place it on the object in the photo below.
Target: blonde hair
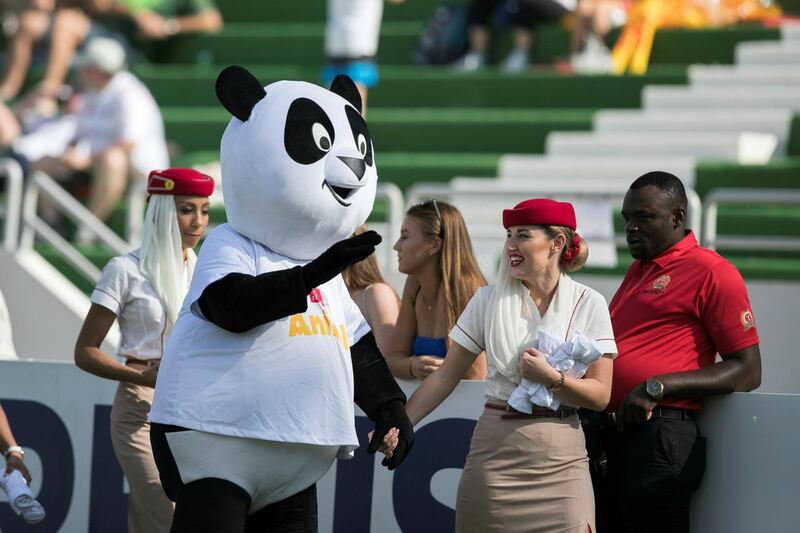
(458, 269)
(579, 257)
(364, 273)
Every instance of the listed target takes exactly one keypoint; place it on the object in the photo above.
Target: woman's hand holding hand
(533, 366)
(390, 441)
(423, 365)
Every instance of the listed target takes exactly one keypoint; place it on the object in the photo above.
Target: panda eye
(308, 135)
(321, 137)
(362, 144)
(360, 134)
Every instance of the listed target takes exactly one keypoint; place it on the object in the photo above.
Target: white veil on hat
(161, 254)
(508, 335)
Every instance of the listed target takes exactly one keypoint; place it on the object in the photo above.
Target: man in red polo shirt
(677, 308)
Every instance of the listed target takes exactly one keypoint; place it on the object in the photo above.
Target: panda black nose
(356, 164)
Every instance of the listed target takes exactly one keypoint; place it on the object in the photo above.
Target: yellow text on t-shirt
(300, 324)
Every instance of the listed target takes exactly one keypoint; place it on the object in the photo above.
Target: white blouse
(575, 308)
(143, 322)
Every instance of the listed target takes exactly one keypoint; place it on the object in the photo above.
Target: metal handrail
(421, 191)
(32, 225)
(137, 205)
(716, 197)
(394, 199)
(438, 190)
(12, 172)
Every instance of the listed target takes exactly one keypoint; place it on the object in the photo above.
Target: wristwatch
(13, 449)
(654, 389)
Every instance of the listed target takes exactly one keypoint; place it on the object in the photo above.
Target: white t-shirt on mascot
(298, 176)
(294, 375)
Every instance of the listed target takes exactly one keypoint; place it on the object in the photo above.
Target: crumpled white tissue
(20, 497)
(572, 358)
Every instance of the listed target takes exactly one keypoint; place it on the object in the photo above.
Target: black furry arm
(374, 383)
(381, 399)
(240, 302)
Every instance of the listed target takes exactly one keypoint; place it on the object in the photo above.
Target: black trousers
(528, 12)
(214, 505)
(644, 476)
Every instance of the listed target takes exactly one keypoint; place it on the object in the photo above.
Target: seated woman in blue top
(435, 251)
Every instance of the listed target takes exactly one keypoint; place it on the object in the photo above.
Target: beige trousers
(149, 510)
(525, 476)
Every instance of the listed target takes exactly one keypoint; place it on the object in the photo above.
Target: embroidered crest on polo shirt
(659, 285)
(748, 322)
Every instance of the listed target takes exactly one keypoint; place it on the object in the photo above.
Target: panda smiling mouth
(340, 194)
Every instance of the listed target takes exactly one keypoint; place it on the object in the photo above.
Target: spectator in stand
(592, 23)
(351, 42)
(144, 291)
(527, 14)
(119, 129)
(26, 45)
(435, 251)
(376, 300)
(131, 21)
(678, 306)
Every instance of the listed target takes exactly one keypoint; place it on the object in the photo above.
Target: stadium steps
(290, 42)
(784, 52)
(706, 120)
(779, 174)
(235, 11)
(411, 129)
(721, 77)
(401, 168)
(733, 98)
(430, 87)
(602, 168)
(702, 120)
(681, 144)
(751, 268)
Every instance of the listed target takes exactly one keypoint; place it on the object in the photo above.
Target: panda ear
(344, 87)
(239, 91)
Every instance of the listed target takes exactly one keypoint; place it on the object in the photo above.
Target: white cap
(102, 53)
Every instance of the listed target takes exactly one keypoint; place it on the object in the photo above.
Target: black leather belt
(538, 412)
(664, 413)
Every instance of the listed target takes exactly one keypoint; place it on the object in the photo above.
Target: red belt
(538, 412)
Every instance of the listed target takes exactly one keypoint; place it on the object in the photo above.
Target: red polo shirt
(674, 313)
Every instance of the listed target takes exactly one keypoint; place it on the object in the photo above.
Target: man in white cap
(119, 129)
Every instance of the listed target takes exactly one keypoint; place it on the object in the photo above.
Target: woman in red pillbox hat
(527, 468)
(144, 291)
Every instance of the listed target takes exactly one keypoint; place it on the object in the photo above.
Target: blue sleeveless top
(429, 346)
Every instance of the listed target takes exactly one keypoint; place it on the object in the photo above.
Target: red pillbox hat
(180, 182)
(540, 212)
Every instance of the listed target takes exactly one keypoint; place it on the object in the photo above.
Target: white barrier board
(60, 415)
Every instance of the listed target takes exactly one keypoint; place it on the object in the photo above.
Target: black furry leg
(210, 505)
(295, 514)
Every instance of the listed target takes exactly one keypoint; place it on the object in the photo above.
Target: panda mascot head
(298, 172)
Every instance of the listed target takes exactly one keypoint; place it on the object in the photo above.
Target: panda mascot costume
(255, 392)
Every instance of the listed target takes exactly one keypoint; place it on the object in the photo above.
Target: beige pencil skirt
(525, 475)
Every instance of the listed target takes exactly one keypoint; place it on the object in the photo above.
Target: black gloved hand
(338, 257)
(392, 415)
